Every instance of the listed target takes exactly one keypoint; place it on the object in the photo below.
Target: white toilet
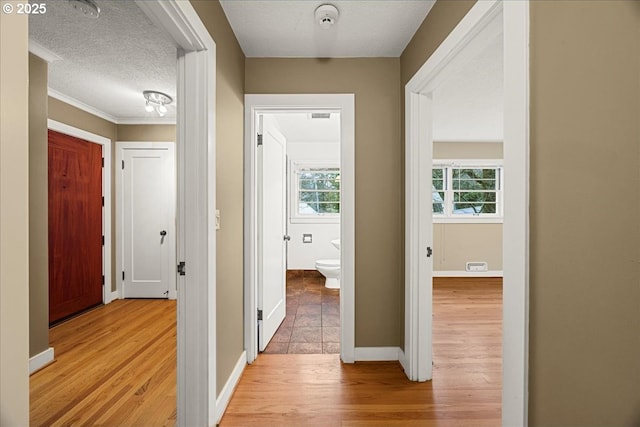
(330, 268)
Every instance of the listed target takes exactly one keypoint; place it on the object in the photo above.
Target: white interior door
(148, 201)
(271, 232)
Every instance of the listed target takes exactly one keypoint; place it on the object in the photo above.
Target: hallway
(305, 389)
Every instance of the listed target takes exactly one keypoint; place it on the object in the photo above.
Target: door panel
(75, 225)
(148, 225)
(271, 232)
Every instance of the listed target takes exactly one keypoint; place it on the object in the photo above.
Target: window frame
(448, 165)
(294, 193)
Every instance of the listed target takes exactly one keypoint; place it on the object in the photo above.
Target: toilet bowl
(330, 268)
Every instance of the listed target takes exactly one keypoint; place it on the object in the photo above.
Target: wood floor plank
(115, 366)
(310, 390)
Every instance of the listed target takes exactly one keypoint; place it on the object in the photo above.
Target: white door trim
(106, 193)
(139, 145)
(345, 104)
(516, 218)
(196, 246)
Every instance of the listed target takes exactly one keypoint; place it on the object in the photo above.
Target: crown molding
(81, 105)
(42, 52)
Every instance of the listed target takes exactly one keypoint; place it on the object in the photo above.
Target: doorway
(514, 17)
(299, 232)
(260, 105)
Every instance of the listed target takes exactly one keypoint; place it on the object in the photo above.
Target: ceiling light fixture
(87, 7)
(157, 101)
(327, 15)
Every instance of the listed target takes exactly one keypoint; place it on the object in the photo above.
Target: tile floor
(312, 324)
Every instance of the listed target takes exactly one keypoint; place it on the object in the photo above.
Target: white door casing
(272, 228)
(514, 16)
(338, 103)
(145, 190)
(196, 169)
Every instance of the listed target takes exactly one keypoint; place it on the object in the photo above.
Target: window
(466, 191)
(315, 192)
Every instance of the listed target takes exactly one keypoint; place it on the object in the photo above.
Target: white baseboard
(462, 273)
(402, 358)
(227, 391)
(40, 360)
(376, 354)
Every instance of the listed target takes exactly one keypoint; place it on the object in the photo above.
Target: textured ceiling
(365, 28)
(106, 63)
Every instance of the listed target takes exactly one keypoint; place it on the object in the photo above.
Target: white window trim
(448, 217)
(294, 217)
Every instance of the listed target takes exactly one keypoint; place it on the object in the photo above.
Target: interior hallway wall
(584, 340)
(378, 156)
(38, 207)
(14, 219)
(229, 189)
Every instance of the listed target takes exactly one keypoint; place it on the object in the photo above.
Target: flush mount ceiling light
(327, 15)
(87, 7)
(157, 101)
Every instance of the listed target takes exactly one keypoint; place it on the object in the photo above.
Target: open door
(272, 231)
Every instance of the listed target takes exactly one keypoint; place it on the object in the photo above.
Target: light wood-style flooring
(115, 366)
(317, 390)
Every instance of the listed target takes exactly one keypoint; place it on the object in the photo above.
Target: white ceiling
(300, 127)
(287, 28)
(106, 63)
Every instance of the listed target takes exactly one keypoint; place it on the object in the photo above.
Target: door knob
(163, 233)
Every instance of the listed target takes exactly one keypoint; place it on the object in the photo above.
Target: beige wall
(455, 244)
(229, 176)
(585, 214)
(147, 133)
(378, 157)
(467, 150)
(38, 208)
(14, 220)
(584, 314)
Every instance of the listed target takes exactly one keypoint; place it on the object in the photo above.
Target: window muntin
(466, 191)
(317, 192)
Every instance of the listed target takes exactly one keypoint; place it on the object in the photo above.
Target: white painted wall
(303, 256)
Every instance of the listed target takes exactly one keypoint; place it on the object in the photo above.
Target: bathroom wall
(303, 256)
(455, 244)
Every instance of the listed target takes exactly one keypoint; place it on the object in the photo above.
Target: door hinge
(123, 275)
(259, 140)
(103, 162)
(259, 314)
(103, 280)
(429, 251)
(181, 269)
(103, 240)
(123, 164)
(103, 201)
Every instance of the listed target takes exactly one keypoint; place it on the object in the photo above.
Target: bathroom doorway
(299, 233)
(299, 226)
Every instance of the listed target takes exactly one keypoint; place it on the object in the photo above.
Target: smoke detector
(86, 7)
(327, 15)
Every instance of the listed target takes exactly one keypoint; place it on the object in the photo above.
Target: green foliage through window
(474, 190)
(318, 191)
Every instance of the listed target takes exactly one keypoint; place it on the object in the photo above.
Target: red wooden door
(75, 225)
